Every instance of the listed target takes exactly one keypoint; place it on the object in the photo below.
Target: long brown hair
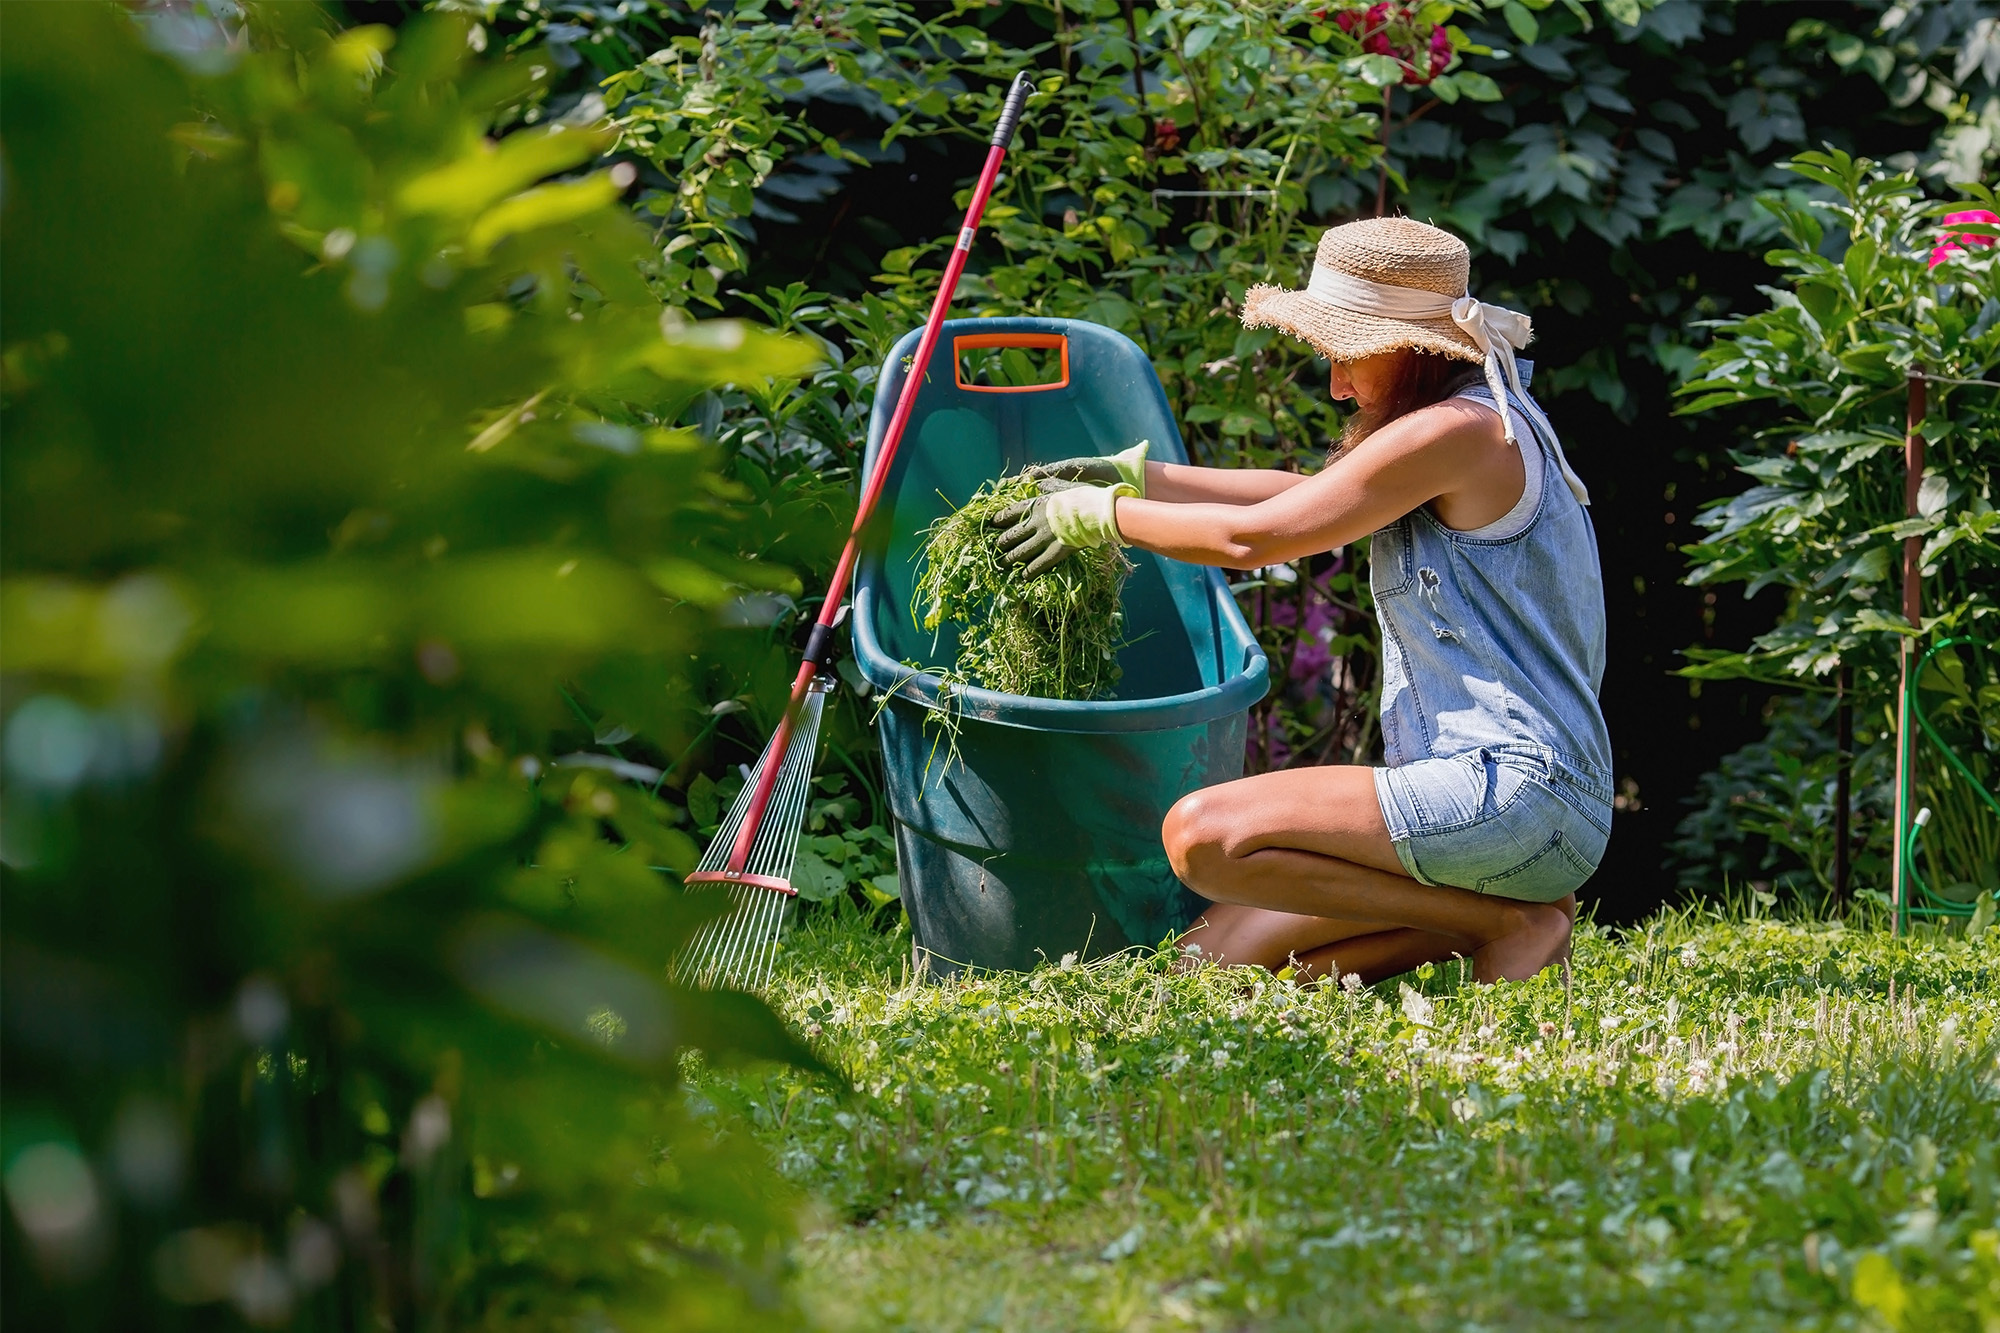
(1427, 378)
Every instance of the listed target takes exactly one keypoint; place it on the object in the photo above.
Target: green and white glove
(1066, 518)
(1128, 467)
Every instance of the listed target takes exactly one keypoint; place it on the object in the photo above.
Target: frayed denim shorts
(1513, 822)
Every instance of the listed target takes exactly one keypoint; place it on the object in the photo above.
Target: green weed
(1055, 636)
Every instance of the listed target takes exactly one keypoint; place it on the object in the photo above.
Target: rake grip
(819, 644)
(1010, 114)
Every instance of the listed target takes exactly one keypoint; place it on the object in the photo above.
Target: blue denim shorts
(1513, 822)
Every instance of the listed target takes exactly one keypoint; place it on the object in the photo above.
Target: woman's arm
(1177, 483)
(1408, 463)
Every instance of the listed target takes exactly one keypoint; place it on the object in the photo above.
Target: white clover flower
(1351, 982)
(1218, 1057)
(1689, 955)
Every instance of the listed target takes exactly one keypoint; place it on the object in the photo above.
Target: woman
(1495, 802)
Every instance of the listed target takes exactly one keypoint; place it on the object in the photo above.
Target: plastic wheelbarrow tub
(1042, 836)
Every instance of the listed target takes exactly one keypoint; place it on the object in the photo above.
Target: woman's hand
(1128, 466)
(1065, 518)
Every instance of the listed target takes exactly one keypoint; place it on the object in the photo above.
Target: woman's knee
(1196, 833)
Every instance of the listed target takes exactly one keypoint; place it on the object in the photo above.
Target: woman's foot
(1540, 938)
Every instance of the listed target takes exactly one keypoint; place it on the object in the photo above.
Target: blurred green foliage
(338, 432)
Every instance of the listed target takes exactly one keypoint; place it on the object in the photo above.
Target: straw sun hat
(1386, 283)
(1391, 252)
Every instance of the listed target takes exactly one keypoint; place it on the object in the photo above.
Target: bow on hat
(1498, 332)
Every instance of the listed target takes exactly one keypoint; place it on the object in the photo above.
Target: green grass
(1716, 1124)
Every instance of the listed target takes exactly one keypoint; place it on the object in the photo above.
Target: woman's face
(1368, 382)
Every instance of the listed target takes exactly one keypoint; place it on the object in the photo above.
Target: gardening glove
(1066, 518)
(1128, 467)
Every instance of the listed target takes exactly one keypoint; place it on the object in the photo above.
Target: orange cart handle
(962, 343)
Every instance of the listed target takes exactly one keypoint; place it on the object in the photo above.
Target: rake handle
(818, 647)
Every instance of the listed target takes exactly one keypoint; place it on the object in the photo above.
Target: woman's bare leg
(1387, 953)
(1390, 953)
(1312, 843)
(1229, 933)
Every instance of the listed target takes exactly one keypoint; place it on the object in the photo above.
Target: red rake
(753, 853)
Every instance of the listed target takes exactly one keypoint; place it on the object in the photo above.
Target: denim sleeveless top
(1495, 642)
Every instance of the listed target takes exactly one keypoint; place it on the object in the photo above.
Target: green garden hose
(1927, 901)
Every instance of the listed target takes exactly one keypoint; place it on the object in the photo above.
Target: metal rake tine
(777, 935)
(739, 948)
(765, 946)
(715, 948)
(749, 934)
(683, 960)
(744, 911)
(759, 969)
(716, 957)
(772, 935)
(727, 929)
(742, 962)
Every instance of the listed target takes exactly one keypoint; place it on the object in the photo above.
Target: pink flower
(1440, 52)
(1391, 28)
(1960, 241)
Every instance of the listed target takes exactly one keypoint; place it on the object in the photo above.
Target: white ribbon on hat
(1495, 330)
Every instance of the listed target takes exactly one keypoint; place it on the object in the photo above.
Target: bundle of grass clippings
(1055, 636)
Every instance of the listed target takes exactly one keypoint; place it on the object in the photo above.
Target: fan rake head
(739, 948)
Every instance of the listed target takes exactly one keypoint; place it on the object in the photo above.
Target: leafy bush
(337, 434)
(1830, 365)
(1834, 356)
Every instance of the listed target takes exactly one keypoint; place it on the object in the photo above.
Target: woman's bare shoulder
(1459, 413)
(1454, 425)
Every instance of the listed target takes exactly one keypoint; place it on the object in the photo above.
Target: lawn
(1712, 1124)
